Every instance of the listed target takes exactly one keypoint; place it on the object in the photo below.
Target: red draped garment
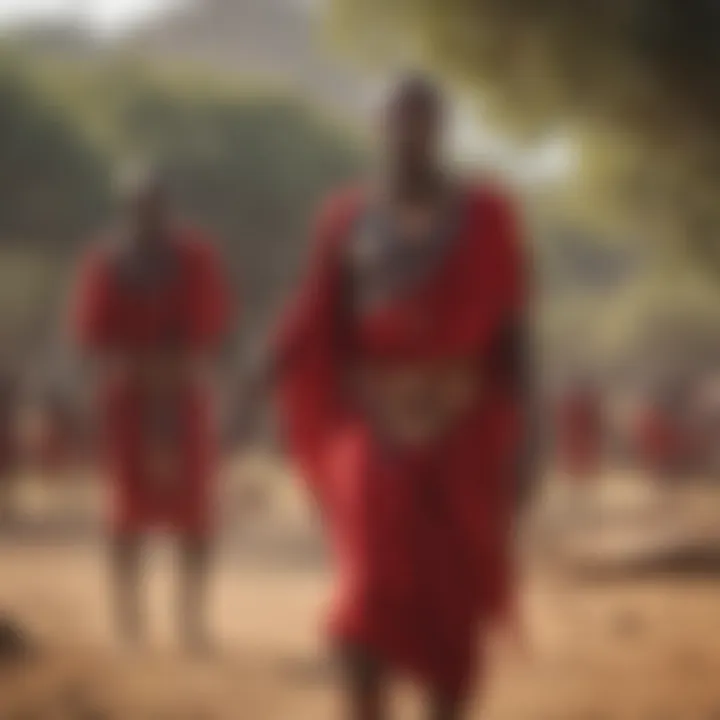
(186, 314)
(421, 535)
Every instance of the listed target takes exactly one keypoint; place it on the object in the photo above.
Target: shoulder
(496, 214)
(493, 201)
(499, 233)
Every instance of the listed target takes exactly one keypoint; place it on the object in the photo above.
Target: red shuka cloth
(421, 536)
(112, 321)
(580, 430)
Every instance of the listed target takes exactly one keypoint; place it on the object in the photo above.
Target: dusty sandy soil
(622, 648)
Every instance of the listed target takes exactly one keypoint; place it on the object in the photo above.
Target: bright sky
(103, 15)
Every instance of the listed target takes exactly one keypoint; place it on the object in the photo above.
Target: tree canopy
(633, 81)
(52, 180)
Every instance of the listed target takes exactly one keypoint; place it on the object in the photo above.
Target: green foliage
(247, 165)
(52, 181)
(634, 81)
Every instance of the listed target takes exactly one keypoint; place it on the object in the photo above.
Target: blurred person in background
(151, 308)
(662, 433)
(402, 371)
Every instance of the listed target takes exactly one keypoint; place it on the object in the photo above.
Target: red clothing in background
(660, 441)
(184, 314)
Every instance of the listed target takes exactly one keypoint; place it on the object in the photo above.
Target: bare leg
(195, 563)
(126, 570)
(364, 685)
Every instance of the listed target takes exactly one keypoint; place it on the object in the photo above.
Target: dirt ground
(637, 646)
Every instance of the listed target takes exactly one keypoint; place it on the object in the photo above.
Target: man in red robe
(151, 309)
(402, 388)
